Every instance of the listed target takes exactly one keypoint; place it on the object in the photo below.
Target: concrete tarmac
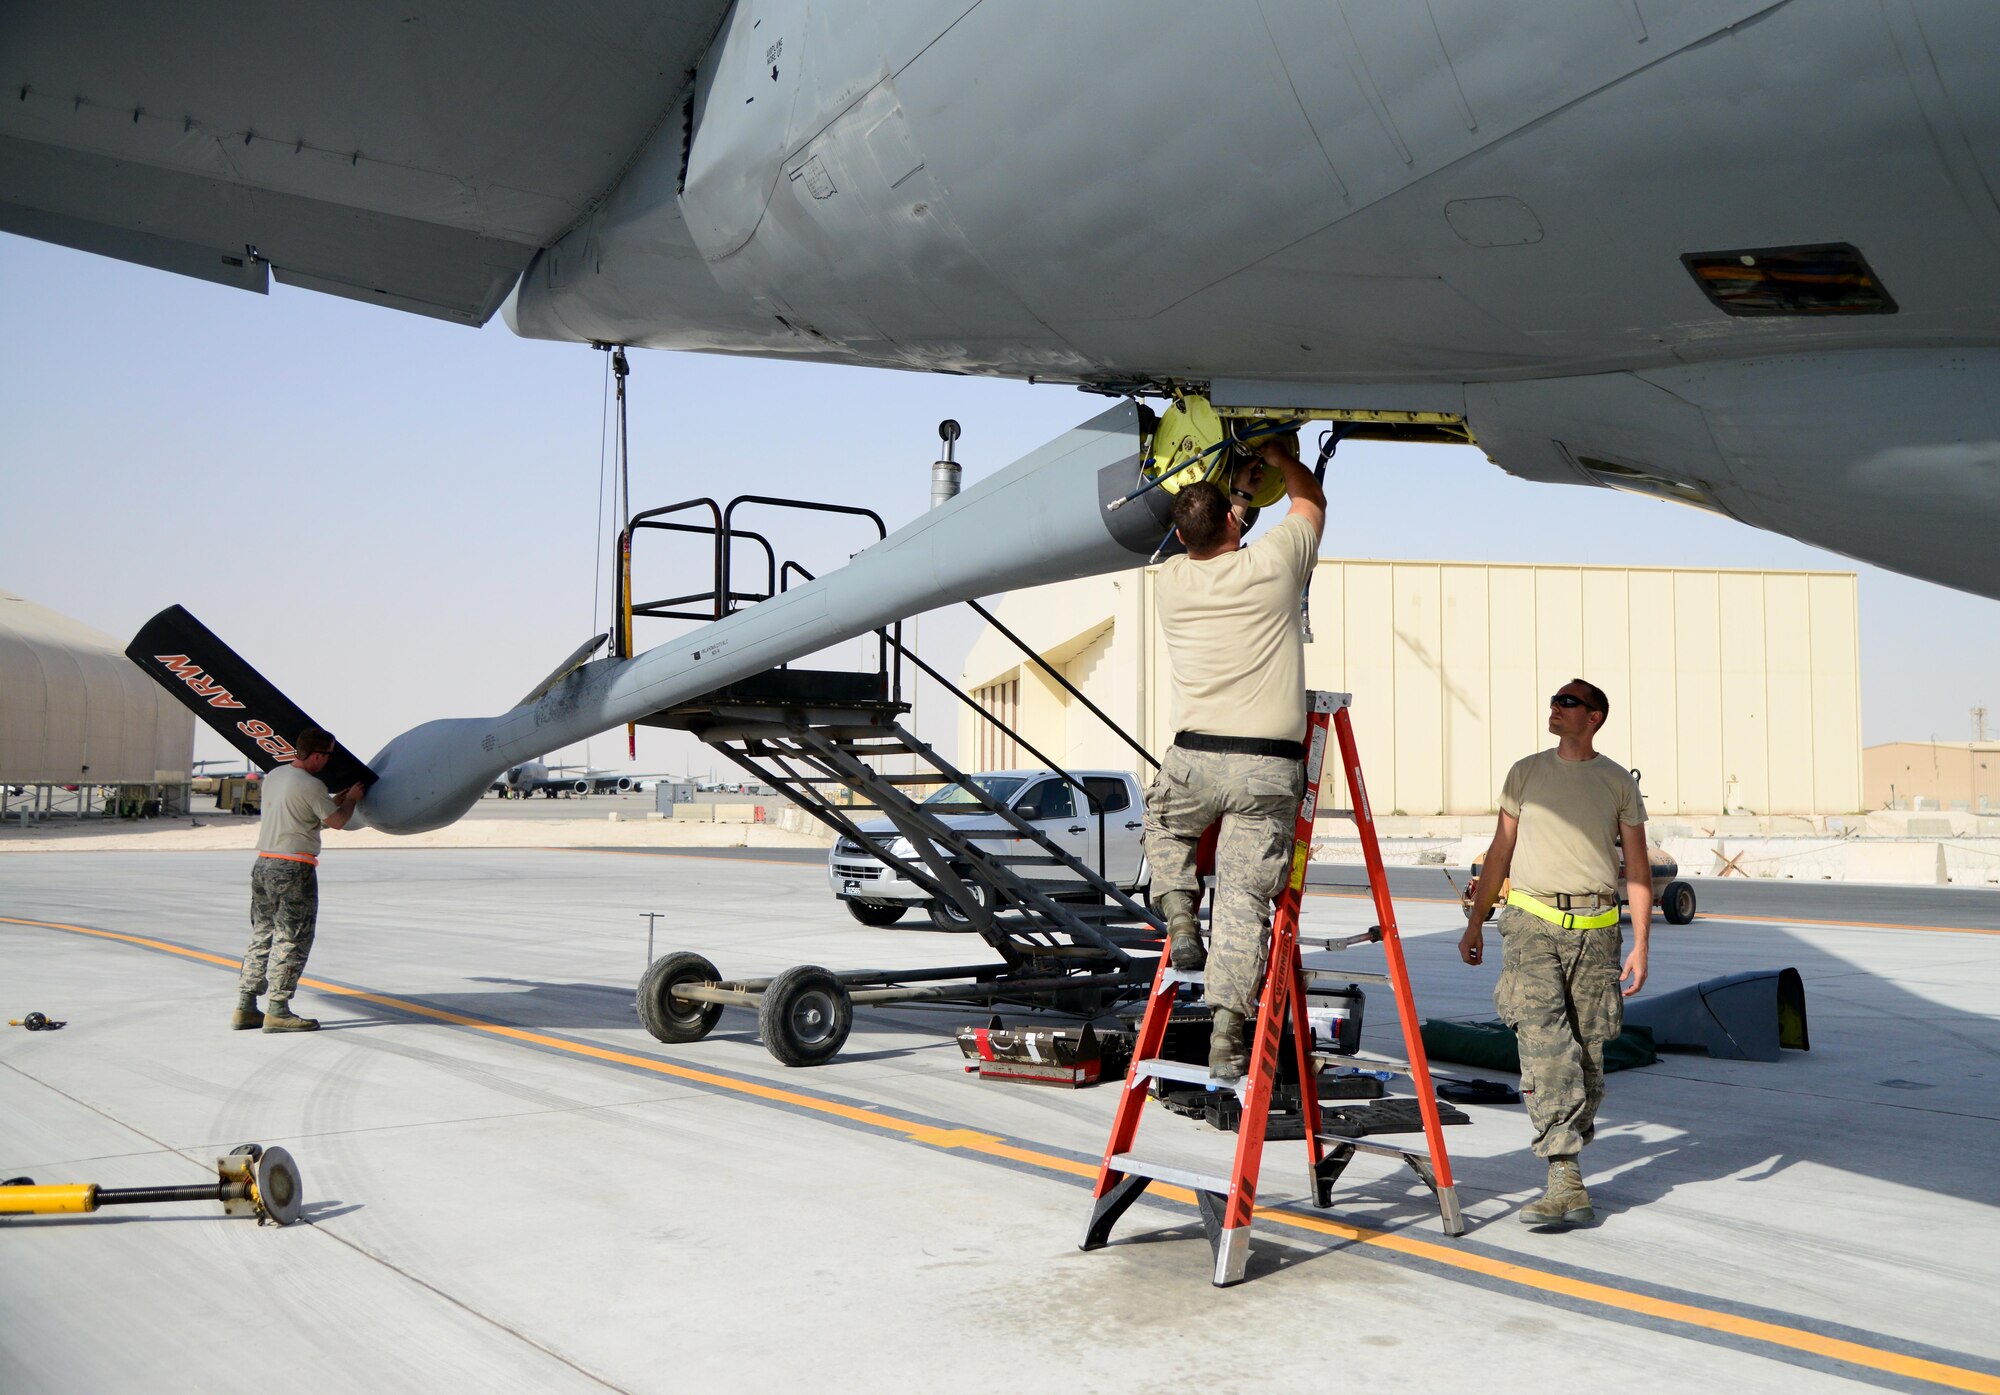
(511, 1186)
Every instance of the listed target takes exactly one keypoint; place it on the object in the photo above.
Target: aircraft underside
(1620, 246)
(1738, 253)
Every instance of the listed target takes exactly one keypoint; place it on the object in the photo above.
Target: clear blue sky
(397, 519)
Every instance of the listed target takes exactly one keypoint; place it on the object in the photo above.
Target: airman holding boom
(1230, 614)
(284, 885)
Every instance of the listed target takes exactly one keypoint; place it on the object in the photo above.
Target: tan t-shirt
(296, 807)
(1569, 812)
(1233, 637)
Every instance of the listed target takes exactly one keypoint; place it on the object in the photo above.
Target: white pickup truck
(876, 894)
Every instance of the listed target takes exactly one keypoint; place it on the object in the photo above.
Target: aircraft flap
(212, 680)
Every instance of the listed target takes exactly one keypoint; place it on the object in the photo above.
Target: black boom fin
(211, 680)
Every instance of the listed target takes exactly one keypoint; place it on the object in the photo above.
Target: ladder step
(1135, 1166)
(1188, 1073)
(1172, 975)
(1345, 976)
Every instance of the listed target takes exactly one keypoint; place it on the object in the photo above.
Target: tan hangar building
(1731, 691)
(1945, 775)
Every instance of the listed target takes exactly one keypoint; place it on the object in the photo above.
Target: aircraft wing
(413, 155)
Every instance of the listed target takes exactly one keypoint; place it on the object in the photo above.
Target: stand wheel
(876, 912)
(805, 1016)
(672, 1019)
(1677, 903)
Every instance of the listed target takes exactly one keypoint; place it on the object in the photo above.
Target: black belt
(1240, 745)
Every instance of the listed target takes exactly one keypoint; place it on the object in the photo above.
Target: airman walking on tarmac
(1564, 816)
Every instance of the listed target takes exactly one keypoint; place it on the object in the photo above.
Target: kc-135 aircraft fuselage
(1737, 253)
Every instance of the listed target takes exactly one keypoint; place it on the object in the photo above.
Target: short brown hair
(1201, 515)
(1593, 696)
(312, 742)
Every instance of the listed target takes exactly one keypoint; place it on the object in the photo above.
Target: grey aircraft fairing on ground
(1737, 253)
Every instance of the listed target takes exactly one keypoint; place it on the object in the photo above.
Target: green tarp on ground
(1490, 1045)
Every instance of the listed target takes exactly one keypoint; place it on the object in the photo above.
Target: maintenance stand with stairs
(1227, 1203)
(1065, 935)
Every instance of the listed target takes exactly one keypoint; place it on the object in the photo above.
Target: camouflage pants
(1257, 800)
(284, 903)
(1559, 991)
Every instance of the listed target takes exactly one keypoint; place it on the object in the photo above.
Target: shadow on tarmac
(1898, 1085)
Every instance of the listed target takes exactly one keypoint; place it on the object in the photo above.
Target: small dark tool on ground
(251, 1181)
(37, 1022)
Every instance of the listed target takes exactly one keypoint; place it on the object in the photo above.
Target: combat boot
(247, 1017)
(1185, 949)
(1565, 1203)
(281, 1018)
(1227, 1058)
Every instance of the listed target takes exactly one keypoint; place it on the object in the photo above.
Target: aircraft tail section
(245, 708)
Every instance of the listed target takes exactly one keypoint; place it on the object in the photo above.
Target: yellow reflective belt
(1568, 920)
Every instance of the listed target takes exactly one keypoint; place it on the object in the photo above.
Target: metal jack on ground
(251, 1181)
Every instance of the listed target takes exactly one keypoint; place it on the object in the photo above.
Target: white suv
(877, 894)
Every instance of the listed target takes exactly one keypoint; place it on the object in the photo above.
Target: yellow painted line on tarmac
(973, 1141)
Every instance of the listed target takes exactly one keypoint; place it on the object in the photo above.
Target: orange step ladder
(1228, 1203)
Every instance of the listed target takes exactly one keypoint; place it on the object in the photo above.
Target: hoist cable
(597, 519)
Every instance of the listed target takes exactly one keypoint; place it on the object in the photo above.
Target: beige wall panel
(1653, 710)
(1745, 705)
(1153, 730)
(1698, 688)
(1790, 736)
(1088, 742)
(1369, 663)
(1044, 714)
(1606, 621)
(1710, 674)
(1520, 709)
(1558, 628)
(1836, 670)
(1326, 655)
(1470, 786)
(1418, 647)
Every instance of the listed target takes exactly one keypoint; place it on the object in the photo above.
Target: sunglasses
(1568, 700)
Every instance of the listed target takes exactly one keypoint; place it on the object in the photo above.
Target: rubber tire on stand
(876, 912)
(945, 915)
(1677, 903)
(805, 1016)
(671, 1019)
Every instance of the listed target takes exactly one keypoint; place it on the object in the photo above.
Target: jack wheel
(1677, 903)
(672, 1019)
(945, 915)
(278, 1187)
(805, 1016)
(876, 912)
